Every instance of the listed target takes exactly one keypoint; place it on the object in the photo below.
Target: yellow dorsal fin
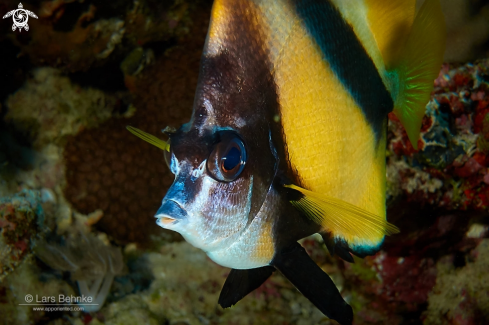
(417, 67)
(343, 219)
(163, 145)
(390, 22)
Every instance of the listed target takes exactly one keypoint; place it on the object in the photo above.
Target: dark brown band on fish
(348, 59)
(236, 89)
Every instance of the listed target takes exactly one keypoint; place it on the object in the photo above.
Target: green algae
(363, 271)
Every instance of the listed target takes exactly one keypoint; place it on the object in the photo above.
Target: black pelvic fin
(241, 282)
(337, 248)
(344, 253)
(329, 242)
(296, 265)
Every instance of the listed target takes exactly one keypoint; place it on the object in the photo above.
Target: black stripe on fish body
(236, 84)
(292, 225)
(348, 59)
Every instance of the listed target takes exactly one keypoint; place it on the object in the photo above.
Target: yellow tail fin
(417, 68)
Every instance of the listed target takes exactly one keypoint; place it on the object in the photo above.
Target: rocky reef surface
(78, 192)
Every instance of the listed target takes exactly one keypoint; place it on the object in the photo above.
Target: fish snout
(170, 213)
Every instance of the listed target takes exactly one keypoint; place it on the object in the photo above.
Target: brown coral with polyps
(110, 169)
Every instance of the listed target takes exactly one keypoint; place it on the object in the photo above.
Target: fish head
(210, 198)
(224, 159)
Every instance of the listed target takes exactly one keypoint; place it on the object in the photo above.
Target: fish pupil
(228, 157)
(232, 159)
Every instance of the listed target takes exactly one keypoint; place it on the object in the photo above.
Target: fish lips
(170, 213)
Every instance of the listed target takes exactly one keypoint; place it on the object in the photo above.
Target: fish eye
(227, 159)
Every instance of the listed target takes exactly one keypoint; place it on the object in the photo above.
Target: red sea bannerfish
(288, 134)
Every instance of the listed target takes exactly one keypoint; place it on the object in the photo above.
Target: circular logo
(28, 298)
(20, 17)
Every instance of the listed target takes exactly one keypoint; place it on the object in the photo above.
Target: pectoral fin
(296, 265)
(361, 231)
(241, 282)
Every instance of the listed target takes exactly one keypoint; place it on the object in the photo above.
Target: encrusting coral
(77, 35)
(49, 107)
(185, 290)
(91, 263)
(450, 169)
(21, 222)
(460, 295)
(29, 279)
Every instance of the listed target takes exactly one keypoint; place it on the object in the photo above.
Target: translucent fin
(390, 22)
(342, 219)
(163, 145)
(418, 67)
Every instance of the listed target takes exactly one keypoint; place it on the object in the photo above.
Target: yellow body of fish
(334, 149)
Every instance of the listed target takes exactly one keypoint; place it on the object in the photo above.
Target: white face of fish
(208, 213)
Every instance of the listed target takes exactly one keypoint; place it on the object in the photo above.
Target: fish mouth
(170, 213)
(166, 221)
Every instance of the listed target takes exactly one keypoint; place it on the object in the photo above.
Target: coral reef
(91, 263)
(29, 279)
(110, 169)
(186, 287)
(77, 35)
(460, 294)
(21, 222)
(438, 197)
(450, 169)
(49, 106)
(43, 112)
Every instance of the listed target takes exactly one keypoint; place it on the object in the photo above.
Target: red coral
(470, 168)
(403, 147)
(480, 115)
(481, 159)
(426, 124)
(460, 80)
(406, 279)
(18, 225)
(477, 197)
